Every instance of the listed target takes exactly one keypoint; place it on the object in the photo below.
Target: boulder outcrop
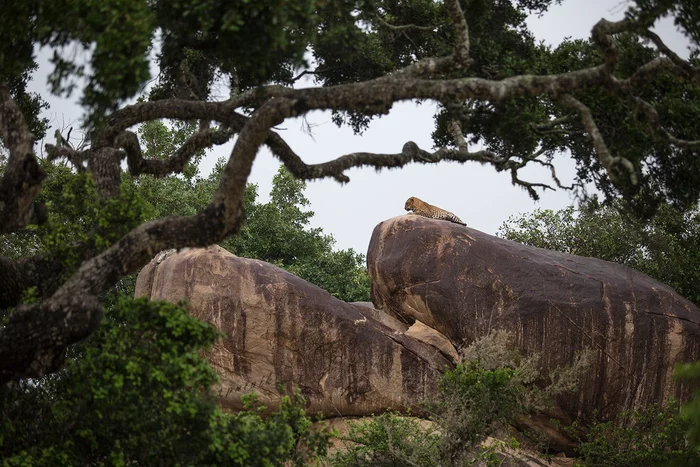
(280, 330)
(466, 284)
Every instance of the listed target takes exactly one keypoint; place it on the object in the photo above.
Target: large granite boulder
(280, 330)
(466, 284)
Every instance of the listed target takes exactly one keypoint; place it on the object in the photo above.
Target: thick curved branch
(16, 276)
(602, 35)
(380, 93)
(252, 136)
(73, 311)
(22, 179)
(184, 110)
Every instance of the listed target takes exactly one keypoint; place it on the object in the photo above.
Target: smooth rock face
(281, 330)
(465, 283)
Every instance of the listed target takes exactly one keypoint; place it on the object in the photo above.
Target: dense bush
(138, 392)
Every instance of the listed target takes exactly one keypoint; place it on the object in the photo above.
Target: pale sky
(477, 194)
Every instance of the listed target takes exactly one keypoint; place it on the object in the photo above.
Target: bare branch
(550, 126)
(529, 187)
(302, 74)
(553, 172)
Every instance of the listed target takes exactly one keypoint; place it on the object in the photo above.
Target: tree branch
(459, 23)
(73, 312)
(203, 139)
(76, 157)
(691, 72)
(654, 120)
(22, 179)
(402, 27)
(551, 126)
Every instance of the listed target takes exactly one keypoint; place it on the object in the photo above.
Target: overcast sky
(477, 194)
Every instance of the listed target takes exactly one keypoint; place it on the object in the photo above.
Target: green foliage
(79, 220)
(140, 393)
(221, 32)
(690, 374)
(388, 440)
(653, 436)
(667, 247)
(118, 32)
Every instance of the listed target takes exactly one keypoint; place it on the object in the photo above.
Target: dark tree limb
(16, 276)
(73, 311)
(22, 179)
(45, 330)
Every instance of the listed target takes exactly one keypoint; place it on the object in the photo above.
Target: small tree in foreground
(138, 392)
